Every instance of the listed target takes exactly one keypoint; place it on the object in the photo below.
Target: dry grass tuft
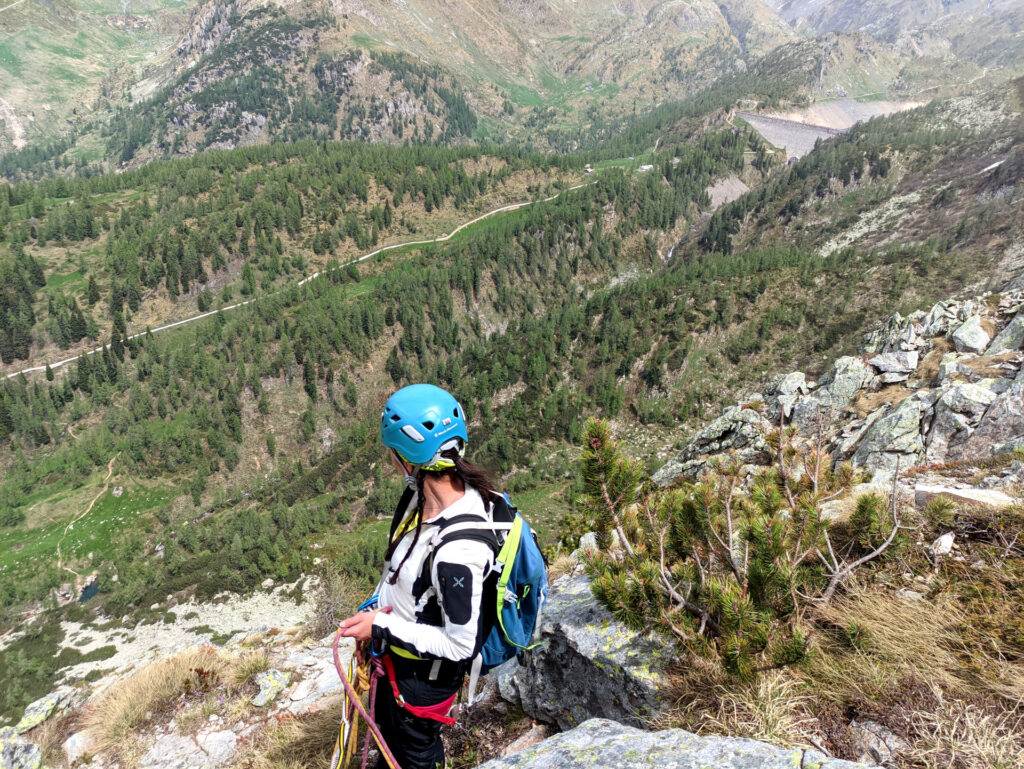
(245, 667)
(297, 743)
(336, 597)
(50, 735)
(709, 701)
(768, 708)
(961, 735)
(562, 564)
(126, 705)
(881, 637)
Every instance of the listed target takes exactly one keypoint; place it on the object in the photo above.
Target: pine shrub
(726, 569)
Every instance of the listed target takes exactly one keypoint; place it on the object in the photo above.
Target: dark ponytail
(470, 474)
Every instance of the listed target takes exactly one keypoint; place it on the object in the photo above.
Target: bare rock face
(894, 439)
(957, 413)
(1010, 338)
(603, 743)
(1003, 422)
(590, 664)
(836, 392)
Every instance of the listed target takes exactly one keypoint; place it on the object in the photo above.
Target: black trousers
(414, 741)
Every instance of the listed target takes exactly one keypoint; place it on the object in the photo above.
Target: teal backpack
(516, 588)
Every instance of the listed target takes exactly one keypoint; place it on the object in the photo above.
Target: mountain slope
(61, 60)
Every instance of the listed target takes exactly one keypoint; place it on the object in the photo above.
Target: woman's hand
(359, 626)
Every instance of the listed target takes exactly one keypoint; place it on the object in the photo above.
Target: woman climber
(428, 617)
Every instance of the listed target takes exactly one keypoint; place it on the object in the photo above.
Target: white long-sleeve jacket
(437, 614)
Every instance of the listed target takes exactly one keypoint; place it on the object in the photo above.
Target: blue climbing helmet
(419, 422)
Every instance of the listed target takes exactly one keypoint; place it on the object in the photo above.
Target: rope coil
(363, 672)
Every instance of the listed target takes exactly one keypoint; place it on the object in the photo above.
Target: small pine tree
(722, 570)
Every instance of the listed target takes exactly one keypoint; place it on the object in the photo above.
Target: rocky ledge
(603, 743)
(588, 664)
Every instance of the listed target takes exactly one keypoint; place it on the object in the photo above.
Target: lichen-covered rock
(836, 392)
(1010, 338)
(950, 366)
(1003, 422)
(589, 665)
(601, 743)
(971, 336)
(737, 429)
(38, 712)
(18, 753)
(271, 682)
(893, 439)
(901, 362)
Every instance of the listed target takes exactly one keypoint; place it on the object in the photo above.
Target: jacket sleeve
(460, 569)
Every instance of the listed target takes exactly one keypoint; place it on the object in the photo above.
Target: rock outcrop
(590, 664)
(604, 743)
(17, 752)
(905, 401)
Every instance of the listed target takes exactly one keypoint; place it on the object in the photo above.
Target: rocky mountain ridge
(932, 388)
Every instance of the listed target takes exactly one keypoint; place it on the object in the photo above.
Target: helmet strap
(410, 479)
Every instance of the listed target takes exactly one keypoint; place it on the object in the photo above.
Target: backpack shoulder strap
(467, 526)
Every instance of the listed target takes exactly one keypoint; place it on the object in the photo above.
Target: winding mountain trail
(6, 7)
(439, 239)
(106, 484)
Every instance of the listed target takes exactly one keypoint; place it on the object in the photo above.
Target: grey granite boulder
(957, 413)
(893, 438)
(1003, 422)
(589, 665)
(601, 744)
(1010, 338)
(17, 752)
(79, 745)
(836, 392)
(901, 362)
(737, 429)
(897, 333)
(971, 336)
(783, 392)
(174, 751)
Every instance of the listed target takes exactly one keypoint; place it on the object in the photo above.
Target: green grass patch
(9, 60)
(365, 41)
(92, 534)
(60, 281)
(544, 507)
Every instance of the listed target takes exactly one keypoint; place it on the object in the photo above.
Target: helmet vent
(429, 425)
(413, 433)
(395, 418)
